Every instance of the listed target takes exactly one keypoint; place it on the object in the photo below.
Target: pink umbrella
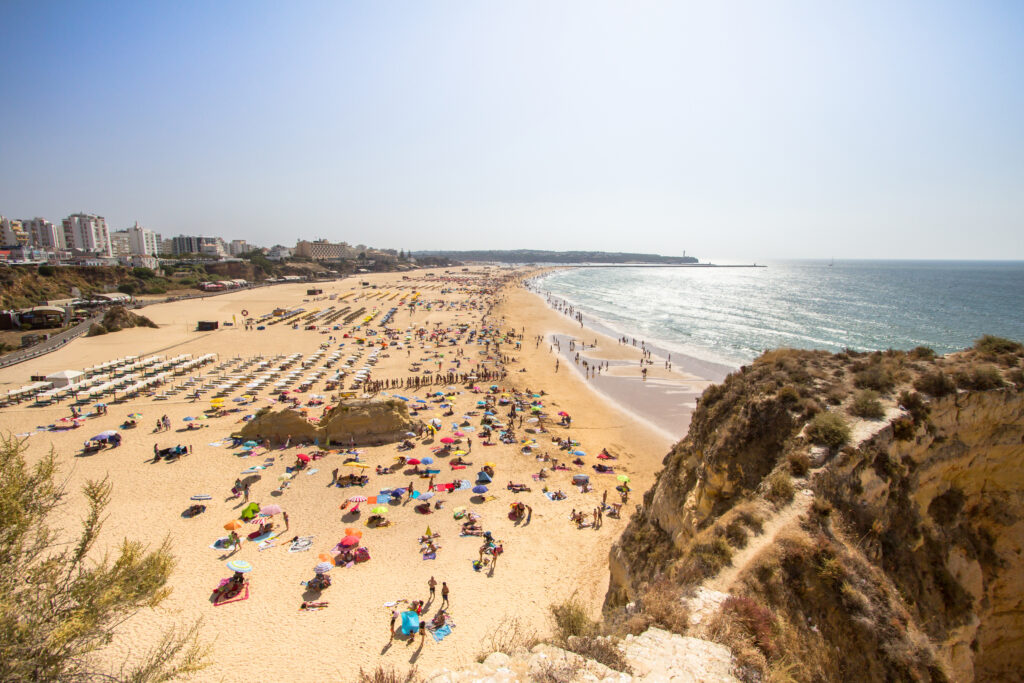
(447, 439)
(270, 510)
(350, 541)
(357, 499)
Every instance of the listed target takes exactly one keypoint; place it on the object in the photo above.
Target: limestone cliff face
(910, 565)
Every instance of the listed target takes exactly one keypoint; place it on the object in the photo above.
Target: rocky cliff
(858, 517)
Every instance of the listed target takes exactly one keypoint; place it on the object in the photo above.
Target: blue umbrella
(578, 453)
(404, 398)
(420, 400)
(189, 418)
(241, 566)
(427, 461)
(488, 412)
(480, 489)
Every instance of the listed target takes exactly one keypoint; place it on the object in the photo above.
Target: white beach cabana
(65, 378)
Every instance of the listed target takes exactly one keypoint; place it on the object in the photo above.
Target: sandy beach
(267, 636)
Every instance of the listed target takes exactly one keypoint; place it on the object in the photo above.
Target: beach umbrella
(135, 416)
(447, 439)
(270, 510)
(563, 414)
(303, 457)
(490, 464)
(322, 568)
(238, 399)
(410, 434)
(579, 453)
(349, 541)
(285, 477)
(351, 531)
(233, 525)
(189, 419)
(103, 436)
(426, 495)
(623, 478)
(241, 566)
(379, 510)
(460, 452)
(468, 428)
(480, 488)
(412, 461)
(325, 557)
(488, 412)
(357, 499)
(427, 461)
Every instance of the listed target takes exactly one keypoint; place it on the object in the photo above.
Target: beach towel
(440, 633)
(201, 496)
(216, 444)
(549, 495)
(430, 556)
(458, 467)
(269, 543)
(301, 544)
(312, 471)
(243, 595)
(433, 471)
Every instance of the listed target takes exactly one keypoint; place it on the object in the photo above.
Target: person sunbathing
(427, 539)
(319, 582)
(314, 605)
(517, 488)
(383, 470)
(558, 495)
(603, 469)
(406, 445)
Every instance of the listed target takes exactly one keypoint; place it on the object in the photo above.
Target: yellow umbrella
(490, 464)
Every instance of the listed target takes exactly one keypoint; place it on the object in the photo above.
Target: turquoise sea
(731, 315)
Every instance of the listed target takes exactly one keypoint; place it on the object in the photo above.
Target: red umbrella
(563, 414)
(413, 461)
(303, 457)
(447, 439)
(350, 540)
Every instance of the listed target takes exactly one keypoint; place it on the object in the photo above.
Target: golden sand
(267, 637)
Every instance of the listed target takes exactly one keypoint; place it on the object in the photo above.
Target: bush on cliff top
(828, 429)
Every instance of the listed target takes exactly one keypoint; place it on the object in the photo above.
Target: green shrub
(866, 404)
(571, 619)
(874, 377)
(788, 395)
(935, 383)
(143, 273)
(997, 345)
(47, 271)
(921, 353)
(912, 402)
(903, 429)
(1016, 376)
(780, 488)
(127, 288)
(980, 377)
(828, 429)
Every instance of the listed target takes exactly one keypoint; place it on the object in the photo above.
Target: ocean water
(731, 315)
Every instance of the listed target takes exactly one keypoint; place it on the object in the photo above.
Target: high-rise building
(119, 243)
(88, 233)
(142, 241)
(12, 233)
(44, 234)
(192, 244)
(238, 247)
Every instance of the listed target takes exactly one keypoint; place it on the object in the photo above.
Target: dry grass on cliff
(388, 674)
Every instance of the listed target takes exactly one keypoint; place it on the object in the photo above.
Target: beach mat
(301, 544)
(440, 633)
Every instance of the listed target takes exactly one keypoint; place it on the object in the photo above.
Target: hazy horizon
(731, 131)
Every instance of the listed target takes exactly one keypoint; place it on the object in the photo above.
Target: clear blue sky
(733, 130)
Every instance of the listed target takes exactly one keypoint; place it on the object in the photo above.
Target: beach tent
(65, 378)
(250, 511)
(483, 476)
(410, 623)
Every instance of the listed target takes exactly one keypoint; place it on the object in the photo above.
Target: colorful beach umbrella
(233, 525)
(241, 566)
(357, 499)
(322, 568)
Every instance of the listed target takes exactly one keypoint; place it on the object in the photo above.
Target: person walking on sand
(286, 524)
(245, 493)
(444, 594)
(604, 498)
(433, 587)
(334, 477)
(394, 618)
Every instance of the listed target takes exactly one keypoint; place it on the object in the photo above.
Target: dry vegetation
(819, 596)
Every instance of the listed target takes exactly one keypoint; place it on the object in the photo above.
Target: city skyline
(734, 132)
